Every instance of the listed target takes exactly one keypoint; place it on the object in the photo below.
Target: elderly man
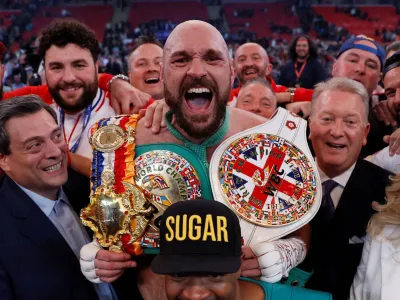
(338, 130)
(257, 96)
(197, 79)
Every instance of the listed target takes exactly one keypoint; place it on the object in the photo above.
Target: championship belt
(119, 210)
(268, 177)
(169, 173)
(128, 196)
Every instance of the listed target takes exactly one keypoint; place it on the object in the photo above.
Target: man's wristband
(119, 76)
(291, 90)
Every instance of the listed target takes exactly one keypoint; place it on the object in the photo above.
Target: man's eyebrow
(38, 137)
(180, 53)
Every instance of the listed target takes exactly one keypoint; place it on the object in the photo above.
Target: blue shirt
(67, 222)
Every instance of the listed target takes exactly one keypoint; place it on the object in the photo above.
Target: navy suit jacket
(335, 251)
(35, 260)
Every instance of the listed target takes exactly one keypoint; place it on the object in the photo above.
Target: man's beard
(260, 73)
(190, 123)
(86, 99)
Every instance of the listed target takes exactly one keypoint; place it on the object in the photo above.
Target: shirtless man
(197, 77)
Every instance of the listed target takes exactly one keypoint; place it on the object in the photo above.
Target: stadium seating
(265, 14)
(95, 16)
(177, 12)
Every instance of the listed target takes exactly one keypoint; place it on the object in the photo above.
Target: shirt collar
(342, 179)
(46, 205)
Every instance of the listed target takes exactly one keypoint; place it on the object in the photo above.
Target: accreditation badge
(268, 177)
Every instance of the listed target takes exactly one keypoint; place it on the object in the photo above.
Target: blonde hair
(389, 213)
(344, 85)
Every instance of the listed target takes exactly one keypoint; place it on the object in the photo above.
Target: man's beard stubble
(260, 73)
(189, 125)
(86, 99)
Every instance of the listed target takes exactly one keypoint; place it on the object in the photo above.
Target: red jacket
(300, 94)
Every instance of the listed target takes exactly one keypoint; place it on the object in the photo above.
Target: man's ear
(4, 164)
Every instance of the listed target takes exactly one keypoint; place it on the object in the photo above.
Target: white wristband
(88, 256)
(277, 258)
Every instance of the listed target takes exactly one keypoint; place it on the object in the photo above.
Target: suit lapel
(33, 223)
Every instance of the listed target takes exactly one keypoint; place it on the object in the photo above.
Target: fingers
(142, 113)
(87, 258)
(251, 273)
(158, 117)
(114, 265)
(247, 253)
(394, 143)
(250, 264)
(383, 113)
(125, 105)
(110, 256)
(111, 279)
(149, 113)
(115, 105)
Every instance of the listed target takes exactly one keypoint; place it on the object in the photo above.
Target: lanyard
(298, 73)
(86, 118)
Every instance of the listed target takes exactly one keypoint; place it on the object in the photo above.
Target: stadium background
(118, 24)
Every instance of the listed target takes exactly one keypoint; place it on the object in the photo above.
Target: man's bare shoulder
(241, 120)
(145, 136)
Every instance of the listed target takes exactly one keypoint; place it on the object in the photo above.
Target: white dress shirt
(342, 180)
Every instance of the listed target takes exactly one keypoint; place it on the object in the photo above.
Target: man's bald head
(251, 61)
(196, 29)
(197, 77)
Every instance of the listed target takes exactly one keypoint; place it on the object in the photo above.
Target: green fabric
(277, 291)
(200, 149)
(193, 159)
(298, 277)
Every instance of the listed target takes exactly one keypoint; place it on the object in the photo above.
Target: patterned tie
(327, 208)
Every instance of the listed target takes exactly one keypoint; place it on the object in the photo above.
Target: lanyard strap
(86, 117)
(298, 73)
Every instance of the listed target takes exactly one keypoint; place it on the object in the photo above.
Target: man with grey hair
(40, 199)
(258, 97)
(338, 130)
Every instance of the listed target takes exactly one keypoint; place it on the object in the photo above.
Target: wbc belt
(131, 186)
(169, 173)
(268, 177)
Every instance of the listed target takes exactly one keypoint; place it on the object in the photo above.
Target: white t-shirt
(383, 160)
(73, 124)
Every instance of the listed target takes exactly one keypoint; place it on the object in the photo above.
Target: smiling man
(144, 64)
(338, 130)
(197, 76)
(38, 208)
(70, 50)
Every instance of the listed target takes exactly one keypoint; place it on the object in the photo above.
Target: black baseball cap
(198, 237)
(392, 63)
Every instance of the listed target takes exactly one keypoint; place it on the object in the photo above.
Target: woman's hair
(389, 213)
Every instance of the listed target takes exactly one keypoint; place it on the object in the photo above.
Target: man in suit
(338, 131)
(40, 229)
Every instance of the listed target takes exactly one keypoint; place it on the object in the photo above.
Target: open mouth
(250, 72)
(53, 168)
(152, 80)
(336, 146)
(199, 98)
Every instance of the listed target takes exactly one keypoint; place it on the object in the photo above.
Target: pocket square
(356, 240)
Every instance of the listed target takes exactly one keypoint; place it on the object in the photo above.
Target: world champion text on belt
(128, 196)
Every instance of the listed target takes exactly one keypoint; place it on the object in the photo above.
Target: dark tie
(327, 208)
